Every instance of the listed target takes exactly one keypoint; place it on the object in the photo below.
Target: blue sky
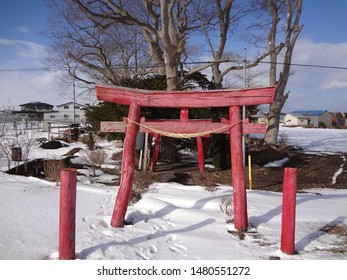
(323, 41)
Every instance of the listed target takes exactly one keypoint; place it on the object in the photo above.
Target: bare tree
(103, 40)
(228, 16)
(290, 12)
(92, 51)
(164, 25)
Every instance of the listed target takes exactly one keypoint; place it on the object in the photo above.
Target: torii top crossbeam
(186, 99)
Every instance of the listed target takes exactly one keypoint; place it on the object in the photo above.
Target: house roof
(258, 115)
(70, 103)
(298, 115)
(37, 104)
(310, 112)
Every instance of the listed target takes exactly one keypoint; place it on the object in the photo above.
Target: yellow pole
(250, 172)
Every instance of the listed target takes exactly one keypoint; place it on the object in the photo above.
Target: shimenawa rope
(184, 135)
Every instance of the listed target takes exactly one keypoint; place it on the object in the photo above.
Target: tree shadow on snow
(300, 245)
(255, 221)
(103, 247)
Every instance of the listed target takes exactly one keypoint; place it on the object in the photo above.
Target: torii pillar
(128, 166)
(233, 99)
(238, 170)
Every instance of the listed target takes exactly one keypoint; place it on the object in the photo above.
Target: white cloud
(22, 29)
(21, 54)
(334, 84)
(43, 82)
(28, 49)
(25, 48)
(20, 87)
(318, 87)
(6, 42)
(320, 54)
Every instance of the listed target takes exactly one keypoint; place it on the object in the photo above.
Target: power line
(119, 67)
(36, 69)
(310, 65)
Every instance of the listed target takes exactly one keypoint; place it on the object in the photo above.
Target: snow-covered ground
(172, 221)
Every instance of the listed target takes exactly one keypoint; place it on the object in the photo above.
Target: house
(67, 114)
(295, 119)
(264, 118)
(7, 116)
(315, 118)
(260, 118)
(34, 110)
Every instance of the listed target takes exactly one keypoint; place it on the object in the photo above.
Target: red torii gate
(184, 100)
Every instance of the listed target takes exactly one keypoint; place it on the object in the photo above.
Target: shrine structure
(185, 128)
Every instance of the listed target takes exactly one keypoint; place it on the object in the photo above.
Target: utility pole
(74, 101)
(244, 108)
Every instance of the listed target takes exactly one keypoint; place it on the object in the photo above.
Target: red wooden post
(201, 159)
(288, 211)
(155, 152)
(184, 114)
(237, 170)
(67, 216)
(128, 166)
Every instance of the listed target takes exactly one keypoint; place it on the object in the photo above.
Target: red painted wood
(128, 166)
(112, 126)
(190, 126)
(156, 152)
(184, 114)
(237, 171)
(67, 214)
(249, 128)
(288, 211)
(201, 159)
(253, 128)
(188, 99)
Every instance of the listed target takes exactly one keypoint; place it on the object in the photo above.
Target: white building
(295, 119)
(65, 114)
(314, 118)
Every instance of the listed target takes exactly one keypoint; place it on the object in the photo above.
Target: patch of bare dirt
(313, 171)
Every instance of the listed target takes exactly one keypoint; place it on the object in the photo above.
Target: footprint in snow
(169, 222)
(153, 249)
(175, 250)
(92, 226)
(155, 227)
(104, 223)
(174, 247)
(142, 255)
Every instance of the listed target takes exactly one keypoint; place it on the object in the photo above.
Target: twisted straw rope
(184, 135)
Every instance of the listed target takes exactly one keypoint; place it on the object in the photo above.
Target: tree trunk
(274, 120)
(293, 29)
(217, 76)
(171, 71)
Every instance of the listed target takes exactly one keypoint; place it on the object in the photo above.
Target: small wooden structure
(233, 99)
